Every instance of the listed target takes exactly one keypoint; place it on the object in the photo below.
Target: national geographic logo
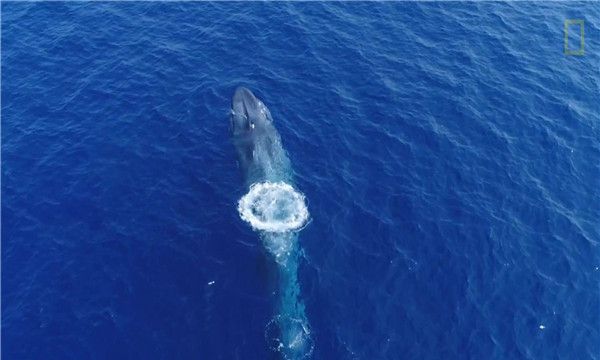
(572, 28)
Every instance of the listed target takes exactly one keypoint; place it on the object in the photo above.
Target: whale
(276, 210)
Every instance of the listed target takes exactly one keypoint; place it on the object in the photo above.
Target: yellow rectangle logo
(580, 50)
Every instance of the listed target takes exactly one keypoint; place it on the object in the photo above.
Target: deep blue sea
(449, 154)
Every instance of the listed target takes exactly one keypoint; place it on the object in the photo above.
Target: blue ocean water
(448, 151)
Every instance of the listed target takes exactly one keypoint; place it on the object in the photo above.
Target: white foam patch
(273, 207)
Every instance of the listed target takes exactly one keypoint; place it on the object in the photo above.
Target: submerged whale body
(277, 211)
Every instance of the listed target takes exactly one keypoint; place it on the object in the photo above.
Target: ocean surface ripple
(450, 153)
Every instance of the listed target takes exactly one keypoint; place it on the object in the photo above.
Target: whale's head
(248, 114)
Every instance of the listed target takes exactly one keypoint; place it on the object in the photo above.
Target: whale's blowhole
(274, 207)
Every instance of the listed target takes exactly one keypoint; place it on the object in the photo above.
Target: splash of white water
(273, 207)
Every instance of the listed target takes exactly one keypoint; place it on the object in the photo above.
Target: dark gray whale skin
(260, 153)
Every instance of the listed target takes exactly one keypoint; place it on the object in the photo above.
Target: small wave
(273, 207)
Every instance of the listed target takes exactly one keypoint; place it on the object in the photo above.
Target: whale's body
(262, 159)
